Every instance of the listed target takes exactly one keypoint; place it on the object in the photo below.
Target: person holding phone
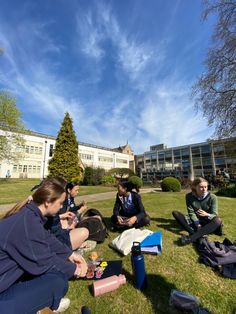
(128, 210)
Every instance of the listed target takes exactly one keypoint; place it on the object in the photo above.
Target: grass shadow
(168, 224)
(158, 292)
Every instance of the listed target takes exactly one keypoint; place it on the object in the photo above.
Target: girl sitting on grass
(34, 265)
(128, 210)
(202, 218)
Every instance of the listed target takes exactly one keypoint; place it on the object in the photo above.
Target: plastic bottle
(138, 266)
(108, 284)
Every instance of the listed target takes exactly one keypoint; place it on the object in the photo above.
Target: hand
(67, 215)
(29, 199)
(120, 220)
(82, 209)
(81, 265)
(202, 213)
(131, 221)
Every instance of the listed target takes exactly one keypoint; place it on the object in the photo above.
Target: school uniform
(31, 261)
(128, 207)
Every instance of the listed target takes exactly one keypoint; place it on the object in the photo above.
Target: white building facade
(38, 148)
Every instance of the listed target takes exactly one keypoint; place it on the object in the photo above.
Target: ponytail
(16, 208)
(49, 191)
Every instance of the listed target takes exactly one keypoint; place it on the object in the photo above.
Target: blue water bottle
(138, 266)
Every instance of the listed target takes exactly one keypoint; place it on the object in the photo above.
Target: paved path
(91, 197)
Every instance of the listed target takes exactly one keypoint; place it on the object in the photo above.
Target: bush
(227, 191)
(108, 180)
(93, 176)
(170, 184)
(136, 181)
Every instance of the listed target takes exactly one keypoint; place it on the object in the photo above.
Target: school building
(37, 150)
(201, 159)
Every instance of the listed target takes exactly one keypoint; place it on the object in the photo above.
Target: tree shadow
(158, 291)
(168, 224)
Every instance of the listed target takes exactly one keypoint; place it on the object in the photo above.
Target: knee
(175, 213)
(58, 283)
(217, 221)
(147, 220)
(83, 232)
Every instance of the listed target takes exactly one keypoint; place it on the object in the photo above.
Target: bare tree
(215, 90)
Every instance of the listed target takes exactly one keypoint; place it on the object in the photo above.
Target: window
(25, 168)
(121, 161)
(105, 159)
(185, 152)
(196, 151)
(15, 168)
(50, 150)
(86, 156)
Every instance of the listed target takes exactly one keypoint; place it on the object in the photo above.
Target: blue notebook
(152, 244)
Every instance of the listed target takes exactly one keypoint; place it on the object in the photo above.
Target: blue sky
(123, 69)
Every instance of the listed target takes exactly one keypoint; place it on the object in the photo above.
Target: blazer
(119, 208)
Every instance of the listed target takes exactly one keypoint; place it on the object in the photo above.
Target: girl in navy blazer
(34, 265)
(128, 210)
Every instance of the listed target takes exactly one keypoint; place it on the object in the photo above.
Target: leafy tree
(215, 90)
(65, 161)
(108, 180)
(88, 174)
(121, 172)
(93, 176)
(12, 127)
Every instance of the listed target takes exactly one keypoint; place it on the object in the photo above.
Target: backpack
(220, 256)
(93, 220)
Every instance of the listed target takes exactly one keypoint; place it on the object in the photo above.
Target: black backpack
(93, 220)
(220, 256)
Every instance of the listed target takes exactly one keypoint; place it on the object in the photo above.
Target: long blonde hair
(197, 181)
(49, 191)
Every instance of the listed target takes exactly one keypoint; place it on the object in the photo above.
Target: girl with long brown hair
(34, 265)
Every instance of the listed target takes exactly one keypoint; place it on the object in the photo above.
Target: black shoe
(185, 240)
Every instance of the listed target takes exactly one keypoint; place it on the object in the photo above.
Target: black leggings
(208, 228)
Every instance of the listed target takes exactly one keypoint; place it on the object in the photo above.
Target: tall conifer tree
(65, 161)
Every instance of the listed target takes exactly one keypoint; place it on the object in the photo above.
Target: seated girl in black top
(128, 209)
(63, 224)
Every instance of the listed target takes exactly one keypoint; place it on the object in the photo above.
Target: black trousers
(207, 226)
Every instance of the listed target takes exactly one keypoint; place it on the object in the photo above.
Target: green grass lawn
(15, 190)
(176, 268)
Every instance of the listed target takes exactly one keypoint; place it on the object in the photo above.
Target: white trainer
(63, 306)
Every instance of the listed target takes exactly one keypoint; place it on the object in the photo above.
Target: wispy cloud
(144, 104)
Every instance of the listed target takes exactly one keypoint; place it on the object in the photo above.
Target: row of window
(36, 150)
(86, 156)
(105, 159)
(121, 161)
(26, 168)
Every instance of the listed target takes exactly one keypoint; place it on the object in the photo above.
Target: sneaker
(63, 306)
(89, 246)
(185, 240)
